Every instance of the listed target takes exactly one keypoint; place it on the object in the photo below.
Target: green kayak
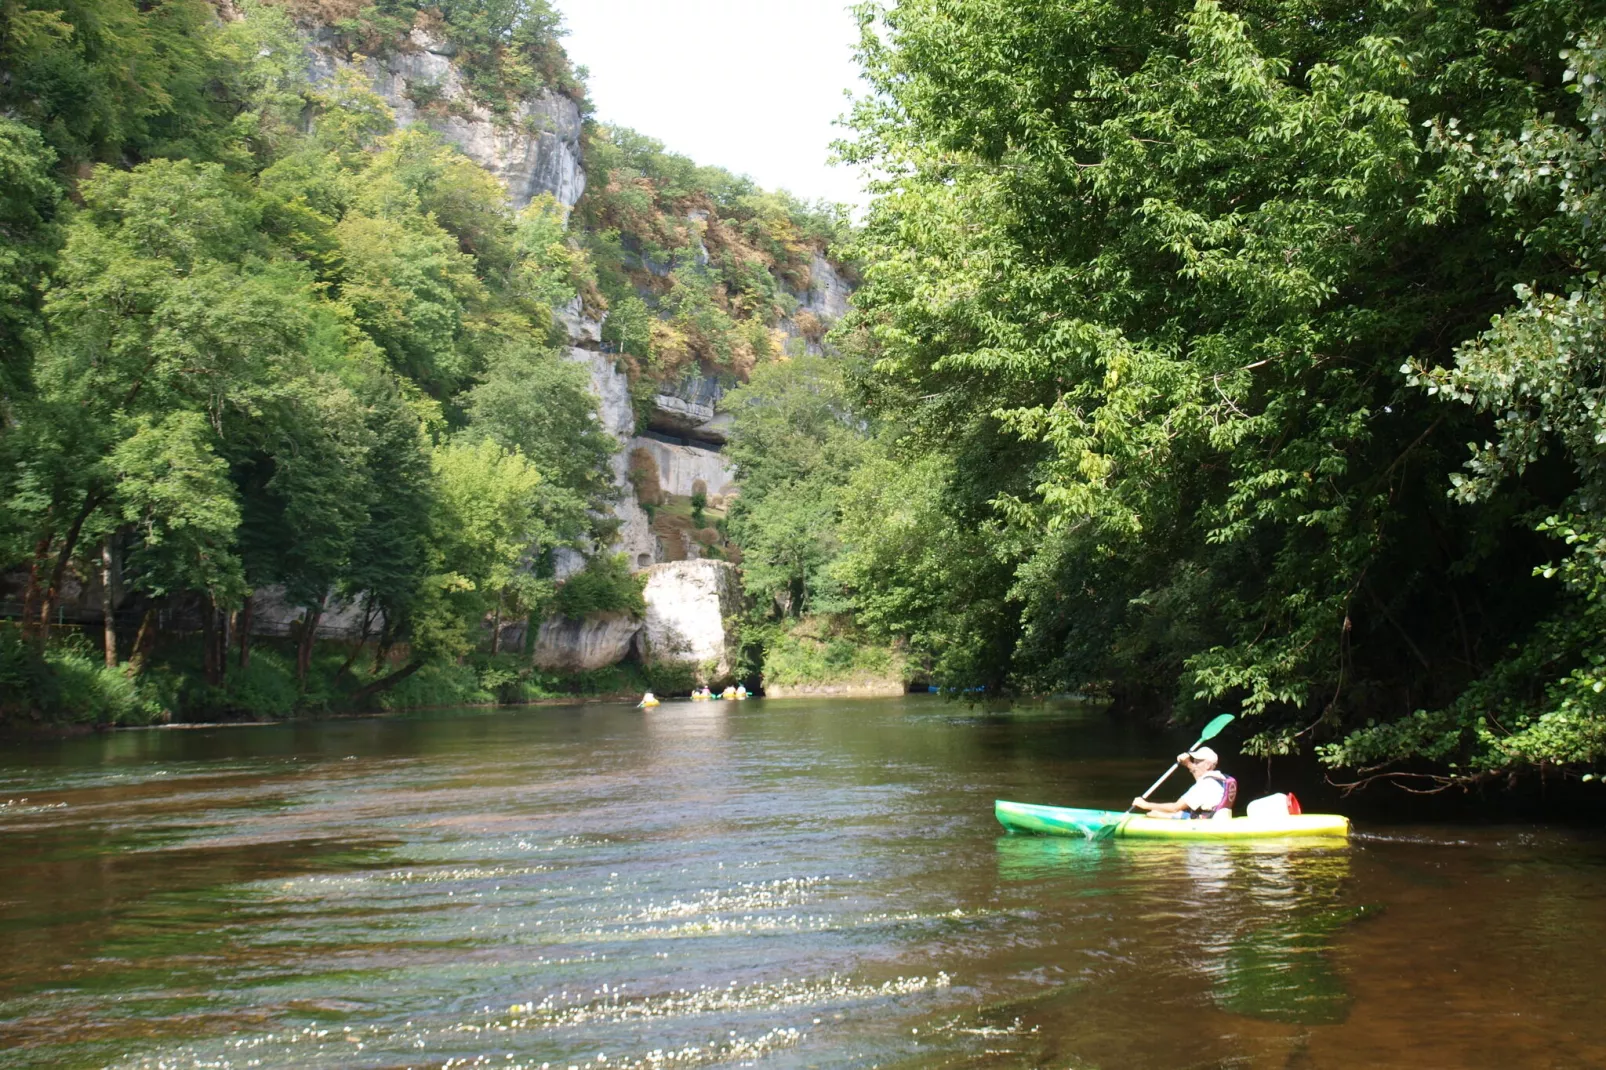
(1068, 821)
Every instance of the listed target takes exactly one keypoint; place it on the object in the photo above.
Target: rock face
(688, 409)
(534, 150)
(612, 389)
(272, 614)
(825, 301)
(828, 290)
(688, 603)
(577, 645)
(679, 467)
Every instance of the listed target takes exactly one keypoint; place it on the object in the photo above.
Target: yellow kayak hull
(1068, 821)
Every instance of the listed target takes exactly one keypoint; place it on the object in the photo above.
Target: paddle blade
(1213, 729)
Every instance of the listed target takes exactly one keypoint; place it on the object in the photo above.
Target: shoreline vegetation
(1198, 357)
(258, 338)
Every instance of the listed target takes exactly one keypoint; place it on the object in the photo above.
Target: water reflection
(1255, 921)
(805, 884)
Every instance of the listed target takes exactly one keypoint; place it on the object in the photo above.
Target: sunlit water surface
(776, 883)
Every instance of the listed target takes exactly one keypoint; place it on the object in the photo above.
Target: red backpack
(1228, 796)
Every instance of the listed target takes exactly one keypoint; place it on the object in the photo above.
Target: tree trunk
(362, 640)
(69, 543)
(309, 631)
(224, 620)
(31, 595)
(496, 627)
(385, 683)
(382, 648)
(144, 639)
(245, 634)
(209, 665)
(108, 605)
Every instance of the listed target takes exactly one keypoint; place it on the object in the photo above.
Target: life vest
(1229, 794)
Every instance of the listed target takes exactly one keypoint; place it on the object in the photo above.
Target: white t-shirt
(1206, 794)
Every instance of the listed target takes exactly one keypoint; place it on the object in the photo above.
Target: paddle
(1211, 731)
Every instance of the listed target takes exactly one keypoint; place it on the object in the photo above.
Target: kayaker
(1212, 790)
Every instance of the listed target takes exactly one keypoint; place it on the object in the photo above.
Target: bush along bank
(68, 685)
(825, 656)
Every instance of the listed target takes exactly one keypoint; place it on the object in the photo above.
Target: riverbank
(45, 731)
(66, 688)
(863, 687)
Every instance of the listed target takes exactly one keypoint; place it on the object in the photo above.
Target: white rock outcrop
(688, 605)
(273, 614)
(680, 467)
(577, 645)
(690, 409)
(534, 150)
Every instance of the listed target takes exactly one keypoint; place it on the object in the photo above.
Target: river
(781, 883)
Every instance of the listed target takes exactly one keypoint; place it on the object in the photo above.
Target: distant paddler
(729, 694)
(741, 690)
(647, 700)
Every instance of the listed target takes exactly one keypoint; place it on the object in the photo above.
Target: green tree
(795, 443)
(541, 405)
(28, 202)
(1141, 279)
(162, 304)
(487, 523)
(1537, 372)
(108, 79)
(307, 492)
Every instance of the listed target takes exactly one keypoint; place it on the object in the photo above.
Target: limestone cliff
(537, 149)
(533, 151)
(578, 645)
(682, 466)
(635, 537)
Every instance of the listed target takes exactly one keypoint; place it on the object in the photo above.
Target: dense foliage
(260, 352)
(1139, 286)
(692, 264)
(508, 53)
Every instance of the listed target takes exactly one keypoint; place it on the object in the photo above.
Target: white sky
(752, 86)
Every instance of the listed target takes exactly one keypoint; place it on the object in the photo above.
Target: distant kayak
(1069, 821)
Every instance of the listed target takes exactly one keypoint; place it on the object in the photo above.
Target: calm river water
(775, 883)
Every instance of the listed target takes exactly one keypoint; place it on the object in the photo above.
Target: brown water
(776, 883)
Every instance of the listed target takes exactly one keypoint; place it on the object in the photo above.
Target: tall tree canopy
(251, 351)
(1140, 283)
